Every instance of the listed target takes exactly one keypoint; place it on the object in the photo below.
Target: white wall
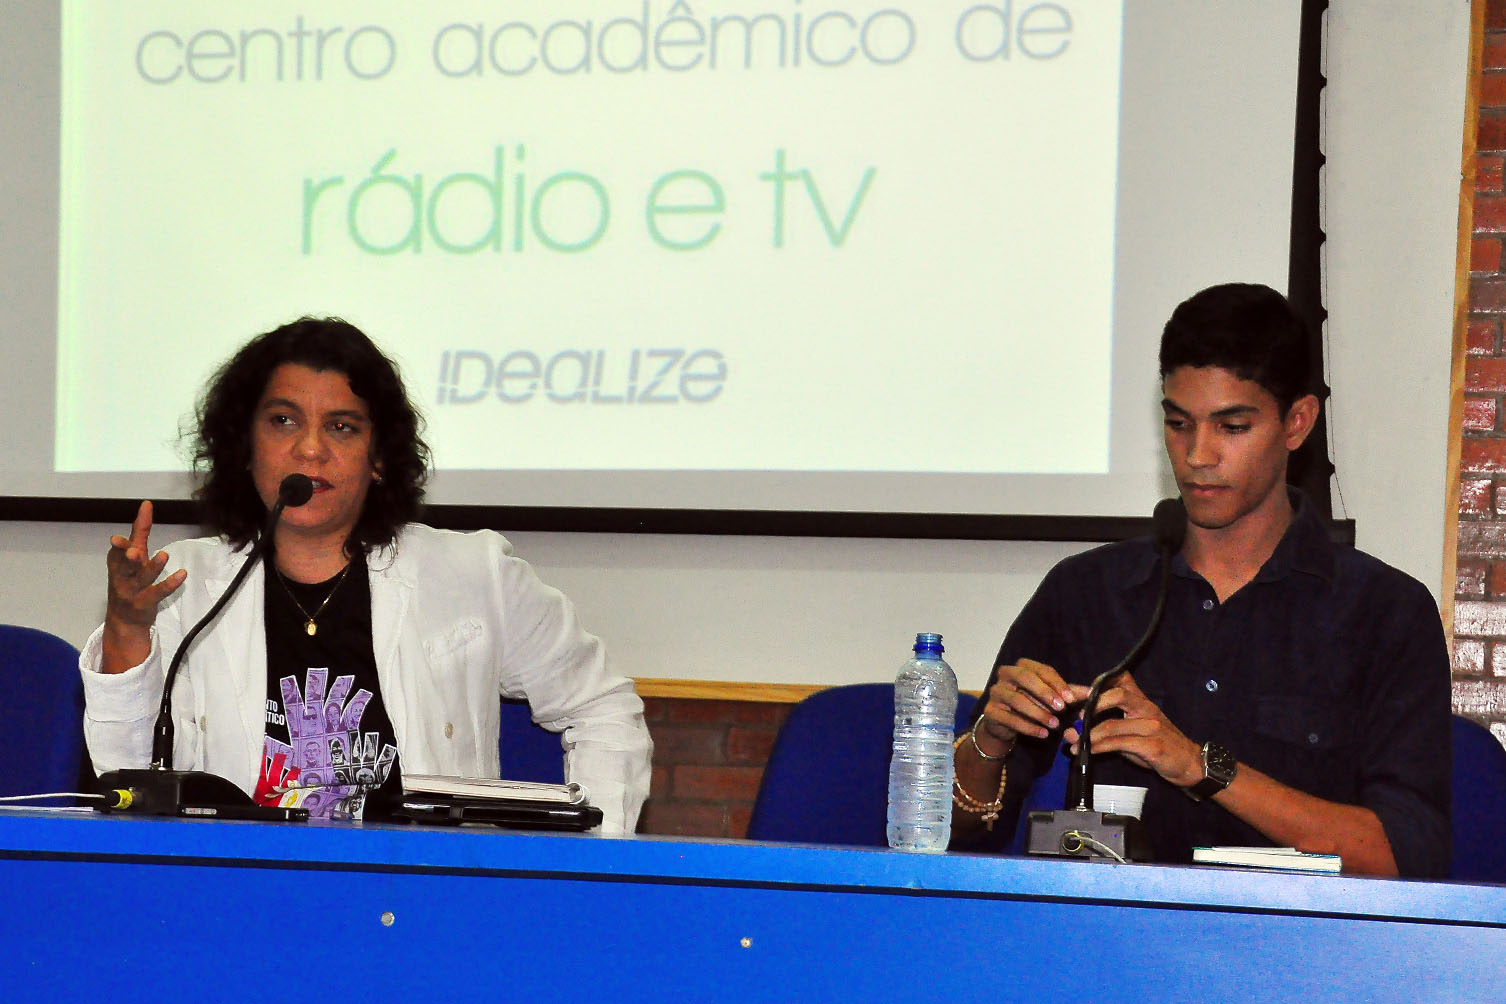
(1395, 112)
(838, 610)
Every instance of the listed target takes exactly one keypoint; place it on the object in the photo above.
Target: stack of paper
(1284, 858)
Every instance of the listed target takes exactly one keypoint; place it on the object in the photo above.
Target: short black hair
(229, 503)
(1248, 329)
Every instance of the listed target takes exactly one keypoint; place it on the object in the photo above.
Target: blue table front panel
(160, 910)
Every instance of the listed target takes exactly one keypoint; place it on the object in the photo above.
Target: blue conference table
(124, 909)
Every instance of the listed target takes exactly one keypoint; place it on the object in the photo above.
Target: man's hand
(133, 594)
(1024, 701)
(1144, 736)
(1284, 815)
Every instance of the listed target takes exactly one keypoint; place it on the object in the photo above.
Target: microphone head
(1169, 522)
(295, 490)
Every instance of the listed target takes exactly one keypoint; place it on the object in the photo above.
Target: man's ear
(1300, 419)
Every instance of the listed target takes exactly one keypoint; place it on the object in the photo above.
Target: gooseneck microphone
(1169, 523)
(161, 791)
(295, 490)
(1076, 830)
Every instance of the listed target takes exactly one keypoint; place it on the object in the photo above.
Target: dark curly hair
(228, 499)
(1248, 329)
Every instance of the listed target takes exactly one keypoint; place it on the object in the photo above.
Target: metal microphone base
(1060, 832)
(190, 793)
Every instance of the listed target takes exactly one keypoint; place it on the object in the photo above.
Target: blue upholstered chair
(827, 779)
(42, 715)
(1479, 809)
(529, 752)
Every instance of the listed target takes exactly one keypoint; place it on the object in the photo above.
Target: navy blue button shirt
(1328, 672)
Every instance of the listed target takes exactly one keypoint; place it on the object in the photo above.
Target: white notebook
(488, 788)
(1284, 858)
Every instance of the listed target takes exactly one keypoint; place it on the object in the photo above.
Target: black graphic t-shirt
(330, 746)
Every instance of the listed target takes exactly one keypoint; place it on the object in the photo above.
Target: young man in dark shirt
(1296, 693)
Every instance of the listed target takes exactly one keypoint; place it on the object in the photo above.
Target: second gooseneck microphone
(1169, 522)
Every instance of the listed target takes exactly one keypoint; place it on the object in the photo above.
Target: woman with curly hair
(368, 644)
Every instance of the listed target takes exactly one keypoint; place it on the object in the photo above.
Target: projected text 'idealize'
(583, 376)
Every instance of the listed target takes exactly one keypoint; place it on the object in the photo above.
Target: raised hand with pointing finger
(134, 595)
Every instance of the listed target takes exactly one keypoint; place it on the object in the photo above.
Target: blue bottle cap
(928, 642)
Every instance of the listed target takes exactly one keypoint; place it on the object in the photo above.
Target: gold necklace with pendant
(309, 627)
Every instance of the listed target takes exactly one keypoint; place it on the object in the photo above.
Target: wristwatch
(1219, 767)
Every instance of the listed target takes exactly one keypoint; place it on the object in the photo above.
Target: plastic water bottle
(920, 775)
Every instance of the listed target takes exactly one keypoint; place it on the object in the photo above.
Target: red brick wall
(708, 760)
(1480, 590)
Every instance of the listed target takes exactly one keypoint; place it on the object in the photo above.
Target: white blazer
(457, 621)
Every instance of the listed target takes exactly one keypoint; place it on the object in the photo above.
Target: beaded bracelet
(967, 803)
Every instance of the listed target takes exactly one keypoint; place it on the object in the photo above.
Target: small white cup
(1120, 799)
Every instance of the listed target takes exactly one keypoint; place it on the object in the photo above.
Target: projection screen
(771, 255)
